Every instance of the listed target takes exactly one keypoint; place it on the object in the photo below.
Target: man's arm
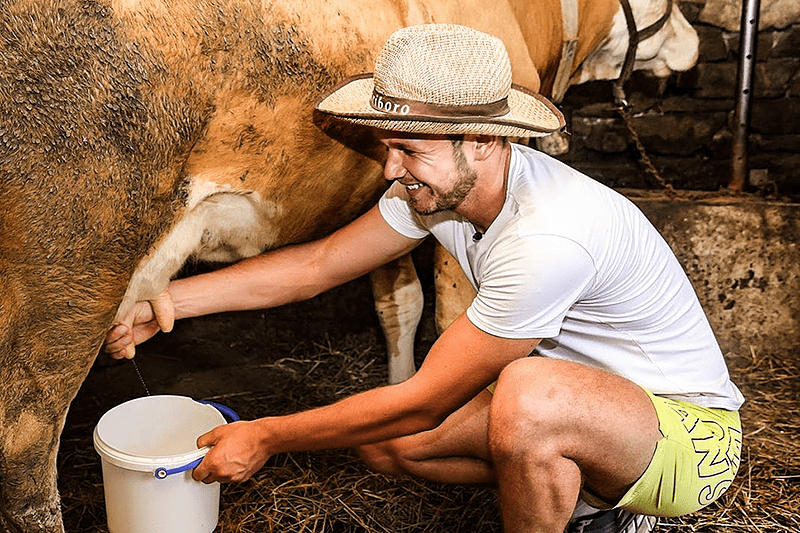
(462, 362)
(288, 274)
(292, 273)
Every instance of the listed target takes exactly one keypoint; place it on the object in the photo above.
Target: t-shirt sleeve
(394, 208)
(528, 286)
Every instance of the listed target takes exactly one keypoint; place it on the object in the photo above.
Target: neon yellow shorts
(693, 464)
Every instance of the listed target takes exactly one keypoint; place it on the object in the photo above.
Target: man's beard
(453, 198)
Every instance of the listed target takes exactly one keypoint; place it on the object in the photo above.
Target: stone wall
(684, 122)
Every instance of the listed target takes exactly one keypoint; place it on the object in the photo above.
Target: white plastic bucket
(148, 448)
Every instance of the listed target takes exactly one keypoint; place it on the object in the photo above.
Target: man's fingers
(208, 439)
(164, 310)
(145, 331)
(201, 472)
(143, 320)
(117, 333)
(119, 342)
(128, 352)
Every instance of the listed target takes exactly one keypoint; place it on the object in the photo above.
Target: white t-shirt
(574, 263)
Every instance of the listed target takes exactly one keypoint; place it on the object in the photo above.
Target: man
(626, 402)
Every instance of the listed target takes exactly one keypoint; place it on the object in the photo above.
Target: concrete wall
(743, 259)
(684, 124)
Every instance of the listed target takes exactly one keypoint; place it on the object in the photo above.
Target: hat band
(400, 106)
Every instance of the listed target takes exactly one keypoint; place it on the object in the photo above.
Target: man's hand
(236, 454)
(143, 321)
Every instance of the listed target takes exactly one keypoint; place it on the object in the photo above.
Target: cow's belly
(223, 227)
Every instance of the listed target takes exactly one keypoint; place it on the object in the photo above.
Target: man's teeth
(413, 187)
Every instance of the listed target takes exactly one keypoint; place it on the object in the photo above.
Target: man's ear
(485, 145)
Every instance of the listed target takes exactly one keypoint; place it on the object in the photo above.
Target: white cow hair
(673, 48)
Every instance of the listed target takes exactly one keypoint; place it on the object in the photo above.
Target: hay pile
(333, 492)
(765, 497)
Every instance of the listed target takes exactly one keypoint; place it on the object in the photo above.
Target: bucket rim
(141, 463)
(148, 463)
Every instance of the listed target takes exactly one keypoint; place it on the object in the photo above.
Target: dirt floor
(312, 353)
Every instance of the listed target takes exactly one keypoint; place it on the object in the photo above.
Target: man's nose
(393, 169)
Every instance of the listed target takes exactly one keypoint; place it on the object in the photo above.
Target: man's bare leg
(550, 427)
(556, 425)
(455, 452)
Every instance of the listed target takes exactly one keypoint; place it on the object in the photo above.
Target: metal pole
(744, 84)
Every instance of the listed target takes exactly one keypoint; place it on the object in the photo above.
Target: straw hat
(442, 79)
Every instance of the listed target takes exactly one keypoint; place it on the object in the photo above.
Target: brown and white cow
(135, 134)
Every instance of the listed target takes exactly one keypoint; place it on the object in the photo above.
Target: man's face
(435, 172)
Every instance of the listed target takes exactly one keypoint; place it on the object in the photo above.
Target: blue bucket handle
(162, 473)
(222, 409)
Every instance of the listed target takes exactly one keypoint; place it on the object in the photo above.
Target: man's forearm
(268, 280)
(293, 273)
(238, 450)
(371, 416)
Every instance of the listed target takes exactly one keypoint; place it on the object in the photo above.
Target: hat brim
(530, 114)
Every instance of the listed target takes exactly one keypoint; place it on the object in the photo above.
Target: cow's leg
(398, 301)
(51, 327)
(35, 397)
(30, 436)
(454, 293)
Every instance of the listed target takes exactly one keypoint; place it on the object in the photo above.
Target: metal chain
(651, 168)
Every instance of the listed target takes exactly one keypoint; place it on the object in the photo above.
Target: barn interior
(312, 353)
(739, 248)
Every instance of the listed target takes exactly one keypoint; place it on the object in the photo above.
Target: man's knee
(529, 406)
(528, 389)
